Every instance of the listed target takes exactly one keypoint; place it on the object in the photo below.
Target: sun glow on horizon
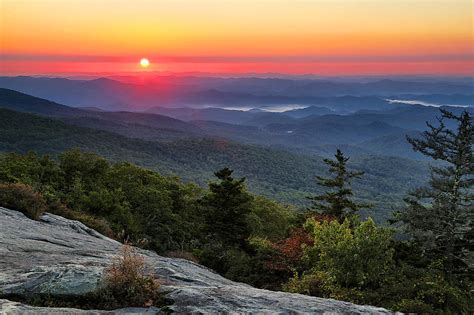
(144, 63)
(285, 36)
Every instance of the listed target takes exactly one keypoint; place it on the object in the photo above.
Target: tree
(227, 206)
(358, 256)
(440, 217)
(337, 202)
(87, 168)
(344, 260)
(269, 219)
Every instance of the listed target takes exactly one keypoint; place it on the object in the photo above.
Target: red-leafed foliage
(288, 252)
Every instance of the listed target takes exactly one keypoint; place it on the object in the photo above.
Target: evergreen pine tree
(228, 204)
(336, 202)
(441, 216)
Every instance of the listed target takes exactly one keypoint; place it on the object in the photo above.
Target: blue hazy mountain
(170, 91)
(362, 132)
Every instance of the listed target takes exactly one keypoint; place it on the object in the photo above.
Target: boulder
(58, 256)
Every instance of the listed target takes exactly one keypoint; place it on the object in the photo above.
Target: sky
(326, 37)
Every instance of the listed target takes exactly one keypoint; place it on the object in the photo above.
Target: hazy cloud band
(240, 59)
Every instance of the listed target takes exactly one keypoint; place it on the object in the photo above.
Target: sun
(144, 63)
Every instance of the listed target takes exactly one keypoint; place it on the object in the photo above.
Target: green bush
(413, 307)
(357, 256)
(269, 219)
(22, 198)
(315, 284)
(354, 262)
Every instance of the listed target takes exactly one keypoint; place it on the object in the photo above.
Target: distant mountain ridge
(313, 134)
(172, 91)
(17, 101)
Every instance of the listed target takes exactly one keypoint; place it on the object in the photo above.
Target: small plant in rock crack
(128, 282)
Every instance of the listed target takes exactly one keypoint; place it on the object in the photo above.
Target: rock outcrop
(58, 256)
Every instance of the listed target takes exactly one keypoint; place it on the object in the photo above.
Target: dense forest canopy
(322, 251)
(275, 173)
(270, 212)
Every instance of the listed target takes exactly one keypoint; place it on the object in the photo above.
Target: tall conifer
(440, 216)
(228, 204)
(337, 200)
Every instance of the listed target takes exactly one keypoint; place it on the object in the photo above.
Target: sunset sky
(330, 37)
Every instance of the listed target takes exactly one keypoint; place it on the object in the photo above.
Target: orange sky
(288, 36)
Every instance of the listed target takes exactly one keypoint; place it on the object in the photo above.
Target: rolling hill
(362, 133)
(193, 91)
(278, 174)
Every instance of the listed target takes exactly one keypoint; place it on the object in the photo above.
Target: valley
(147, 174)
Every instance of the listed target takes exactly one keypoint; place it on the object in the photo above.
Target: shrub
(316, 284)
(356, 257)
(22, 198)
(268, 219)
(99, 224)
(290, 251)
(127, 282)
(413, 307)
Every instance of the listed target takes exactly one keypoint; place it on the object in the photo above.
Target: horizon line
(317, 58)
(267, 75)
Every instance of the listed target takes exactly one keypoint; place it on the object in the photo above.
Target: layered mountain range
(278, 144)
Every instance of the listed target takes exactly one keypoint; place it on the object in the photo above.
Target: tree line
(422, 263)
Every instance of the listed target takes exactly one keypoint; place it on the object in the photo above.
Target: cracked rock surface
(58, 256)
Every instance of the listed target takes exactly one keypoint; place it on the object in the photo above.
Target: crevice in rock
(40, 239)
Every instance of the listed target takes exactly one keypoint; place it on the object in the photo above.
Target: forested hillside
(332, 241)
(326, 250)
(361, 133)
(278, 174)
(237, 157)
